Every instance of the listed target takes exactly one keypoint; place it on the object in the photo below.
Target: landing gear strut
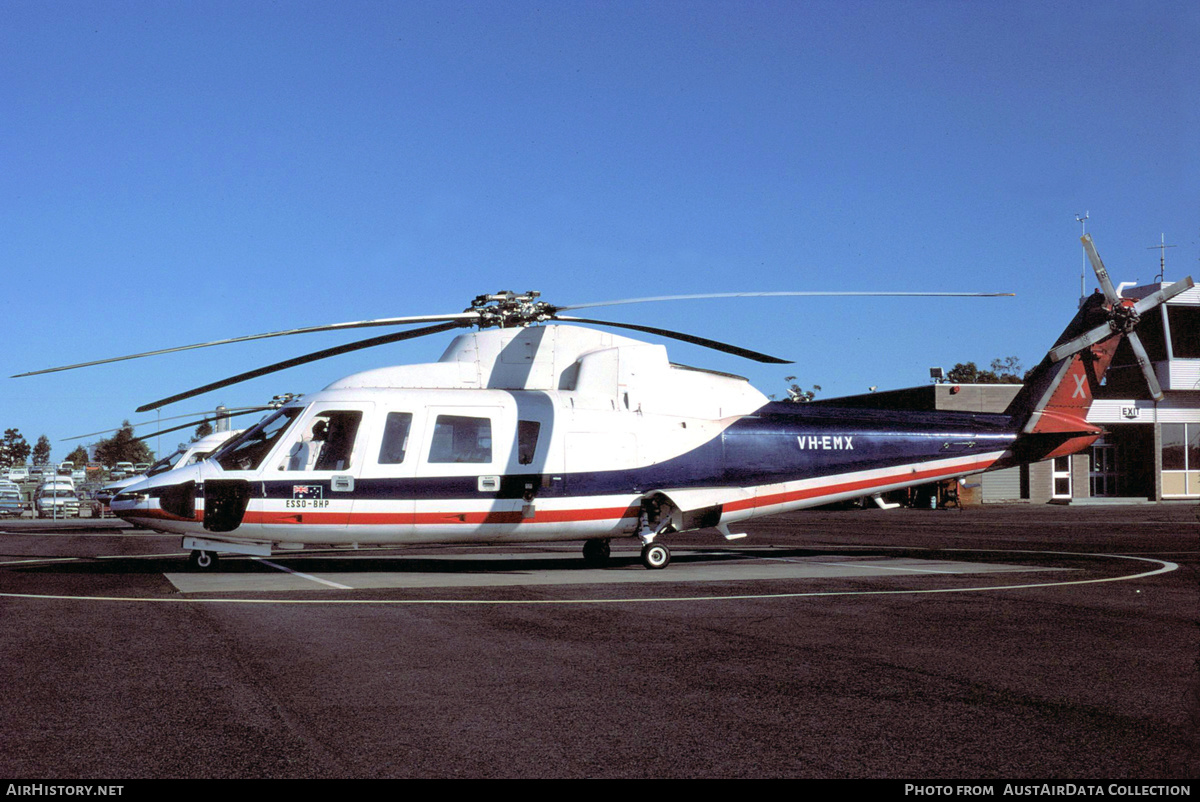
(203, 560)
(655, 521)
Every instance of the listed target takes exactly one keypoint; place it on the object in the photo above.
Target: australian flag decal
(306, 491)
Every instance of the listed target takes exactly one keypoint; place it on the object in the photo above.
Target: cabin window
(395, 438)
(527, 437)
(458, 438)
(247, 451)
(326, 444)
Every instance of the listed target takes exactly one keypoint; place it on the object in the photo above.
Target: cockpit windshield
(166, 463)
(247, 451)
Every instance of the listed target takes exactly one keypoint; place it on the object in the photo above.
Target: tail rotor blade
(1139, 353)
(1110, 292)
(1086, 340)
(1162, 296)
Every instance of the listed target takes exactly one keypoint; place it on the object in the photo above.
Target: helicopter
(526, 430)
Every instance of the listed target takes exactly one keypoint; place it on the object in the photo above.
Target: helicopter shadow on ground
(491, 562)
(457, 563)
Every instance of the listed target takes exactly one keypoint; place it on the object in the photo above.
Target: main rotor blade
(687, 338)
(789, 295)
(159, 421)
(1110, 292)
(193, 423)
(313, 357)
(461, 318)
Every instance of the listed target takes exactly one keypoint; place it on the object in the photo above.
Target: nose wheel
(203, 560)
(655, 556)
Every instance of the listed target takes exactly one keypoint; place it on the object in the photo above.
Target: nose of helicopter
(159, 501)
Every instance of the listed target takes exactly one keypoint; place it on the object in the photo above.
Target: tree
(79, 456)
(203, 430)
(122, 447)
(1003, 371)
(41, 451)
(13, 449)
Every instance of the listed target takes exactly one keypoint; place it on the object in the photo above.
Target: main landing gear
(655, 555)
(655, 521)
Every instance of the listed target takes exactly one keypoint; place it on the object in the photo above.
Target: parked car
(11, 505)
(18, 473)
(57, 499)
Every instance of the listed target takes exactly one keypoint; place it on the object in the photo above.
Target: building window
(1181, 459)
(1185, 331)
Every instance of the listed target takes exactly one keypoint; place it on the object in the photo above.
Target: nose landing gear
(203, 560)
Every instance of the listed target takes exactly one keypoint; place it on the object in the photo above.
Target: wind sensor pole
(1083, 270)
(1162, 256)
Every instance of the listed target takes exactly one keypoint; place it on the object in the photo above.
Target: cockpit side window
(339, 444)
(327, 443)
(395, 438)
(459, 438)
(246, 452)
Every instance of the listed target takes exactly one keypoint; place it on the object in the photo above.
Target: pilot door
(312, 482)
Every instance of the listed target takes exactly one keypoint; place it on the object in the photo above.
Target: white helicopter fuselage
(537, 434)
(489, 443)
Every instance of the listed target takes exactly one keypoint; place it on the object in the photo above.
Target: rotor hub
(507, 309)
(1123, 317)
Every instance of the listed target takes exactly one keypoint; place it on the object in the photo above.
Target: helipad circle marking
(1164, 567)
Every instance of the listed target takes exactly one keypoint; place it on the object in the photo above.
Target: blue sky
(182, 172)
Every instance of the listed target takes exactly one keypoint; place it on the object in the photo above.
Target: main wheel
(656, 555)
(596, 552)
(203, 560)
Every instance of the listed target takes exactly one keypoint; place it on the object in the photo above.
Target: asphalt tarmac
(1029, 642)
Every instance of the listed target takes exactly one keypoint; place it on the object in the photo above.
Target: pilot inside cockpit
(305, 452)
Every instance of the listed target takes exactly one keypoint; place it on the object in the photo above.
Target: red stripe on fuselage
(910, 477)
(903, 474)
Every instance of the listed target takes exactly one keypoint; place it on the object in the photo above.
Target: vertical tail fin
(1058, 393)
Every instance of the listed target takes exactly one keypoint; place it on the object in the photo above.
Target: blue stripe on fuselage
(763, 448)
